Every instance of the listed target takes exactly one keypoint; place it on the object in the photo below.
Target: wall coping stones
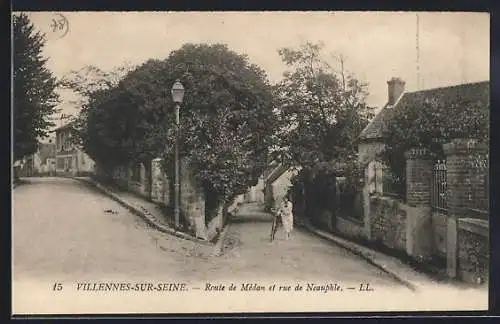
(464, 146)
(419, 153)
(478, 226)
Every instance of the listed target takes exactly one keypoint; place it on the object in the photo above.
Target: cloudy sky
(454, 47)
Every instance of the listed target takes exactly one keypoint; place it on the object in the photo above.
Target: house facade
(277, 181)
(70, 160)
(371, 139)
(40, 163)
(431, 221)
(255, 194)
(45, 159)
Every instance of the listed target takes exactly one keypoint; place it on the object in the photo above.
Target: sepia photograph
(224, 162)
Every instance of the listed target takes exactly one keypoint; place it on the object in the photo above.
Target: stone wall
(467, 170)
(460, 235)
(388, 222)
(473, 250)
(121, 176)
(324, 219)
(143, 186)
(350, 227)
(439, 231)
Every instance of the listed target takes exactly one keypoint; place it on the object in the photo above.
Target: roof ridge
(373, 129)
(448, 87)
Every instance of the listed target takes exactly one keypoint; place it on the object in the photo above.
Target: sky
(453, 46)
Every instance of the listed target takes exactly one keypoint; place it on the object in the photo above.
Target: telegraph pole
(418, 53)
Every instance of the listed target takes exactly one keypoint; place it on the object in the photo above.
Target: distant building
(70, 160)
(372, 141)
(45, 159)
(277, 182)
(40, 163)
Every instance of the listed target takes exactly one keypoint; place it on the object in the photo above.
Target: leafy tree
(322, 110)
(35, 99)
(227, 118)
(91, 85)
(427, 123)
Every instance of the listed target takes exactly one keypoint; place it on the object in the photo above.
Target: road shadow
(252, 213)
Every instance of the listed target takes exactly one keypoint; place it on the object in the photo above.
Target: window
(60, 163)
(59, 142)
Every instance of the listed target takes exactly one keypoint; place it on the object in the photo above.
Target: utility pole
(418, 52)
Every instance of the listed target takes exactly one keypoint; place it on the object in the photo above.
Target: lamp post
(177, 96)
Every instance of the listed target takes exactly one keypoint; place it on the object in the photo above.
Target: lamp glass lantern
(177, 92)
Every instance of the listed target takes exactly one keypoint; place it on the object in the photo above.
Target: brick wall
(467, 172)
(467, 197)
(419, 168)
(421, 243)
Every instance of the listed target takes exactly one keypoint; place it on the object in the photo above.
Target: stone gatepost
(145, 181)
(462, 179)
(419, 172)
(159, 183)
(192, 200)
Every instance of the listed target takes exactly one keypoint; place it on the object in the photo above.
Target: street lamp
(177, 96)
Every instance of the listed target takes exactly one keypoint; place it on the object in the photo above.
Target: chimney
(395, 87)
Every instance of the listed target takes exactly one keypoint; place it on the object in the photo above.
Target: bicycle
(277, 222)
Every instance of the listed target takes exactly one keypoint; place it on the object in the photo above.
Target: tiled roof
(478, 92)
(276, 173)
(65, 126)
(375, 127)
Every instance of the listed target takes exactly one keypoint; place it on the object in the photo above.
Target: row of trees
(233, 121)
(34, 96)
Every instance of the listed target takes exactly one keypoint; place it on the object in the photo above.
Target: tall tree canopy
(99, 126)
(226, 117)
(322, 109)
(431, 118)
(35, 99)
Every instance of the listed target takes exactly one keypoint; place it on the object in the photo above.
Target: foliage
(320, 184)
(35, 99)
(226, 118)
(322, 110)
(96, 92)
(427, 124)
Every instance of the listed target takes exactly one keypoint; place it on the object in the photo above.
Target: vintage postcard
(228, 162)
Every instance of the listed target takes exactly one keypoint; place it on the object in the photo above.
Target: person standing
(283, 217)
(287, 215)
